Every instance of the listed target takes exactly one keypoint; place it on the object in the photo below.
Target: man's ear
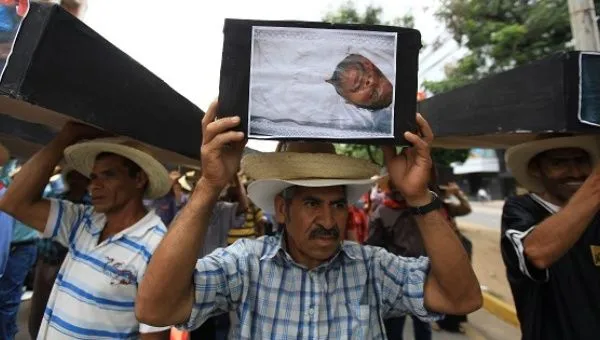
(141, 180)
(280, 210)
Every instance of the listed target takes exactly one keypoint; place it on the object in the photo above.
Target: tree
(348, 14)
(501, 34)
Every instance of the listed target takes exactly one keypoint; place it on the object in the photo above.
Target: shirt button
(311, 311)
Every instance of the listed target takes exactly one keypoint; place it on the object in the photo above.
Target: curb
(500, 309)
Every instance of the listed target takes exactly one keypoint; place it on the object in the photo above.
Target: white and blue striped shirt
(94, 293)
(275, 298)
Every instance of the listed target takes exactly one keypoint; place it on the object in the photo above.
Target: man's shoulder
(522, 212)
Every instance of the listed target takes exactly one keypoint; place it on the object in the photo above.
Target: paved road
(484, 214)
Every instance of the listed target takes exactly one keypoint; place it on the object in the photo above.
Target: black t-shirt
(562, 302)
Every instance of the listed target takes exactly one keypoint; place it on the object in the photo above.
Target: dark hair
(132, 167)
(352, 61)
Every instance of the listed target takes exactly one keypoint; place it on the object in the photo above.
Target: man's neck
(128, 215)
(550, 198)
(298, 256)
(75, 196)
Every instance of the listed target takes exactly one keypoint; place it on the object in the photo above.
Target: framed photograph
(318, 81)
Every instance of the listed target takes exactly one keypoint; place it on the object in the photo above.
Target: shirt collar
(552, 208)
(138, 230)
(276, 245)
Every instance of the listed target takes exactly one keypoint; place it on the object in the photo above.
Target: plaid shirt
(275, 298)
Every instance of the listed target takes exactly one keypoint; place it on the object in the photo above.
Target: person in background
(254, 226)
(166, 207)
(393, 227)
(51, 254)
(21, 258)
(453, 323)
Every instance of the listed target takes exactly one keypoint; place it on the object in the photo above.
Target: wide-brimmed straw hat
(81, 157)
(518, 157)
(308, 165)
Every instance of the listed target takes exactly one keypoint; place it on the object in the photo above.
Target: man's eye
(311, 204)
(340, 205)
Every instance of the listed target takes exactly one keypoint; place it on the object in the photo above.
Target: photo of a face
(362, 83)
(321, 83)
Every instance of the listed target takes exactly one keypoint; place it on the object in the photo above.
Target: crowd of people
(296, 243)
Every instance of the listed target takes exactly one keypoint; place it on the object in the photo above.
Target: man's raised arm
(166, 293)
(23, 199)
(451, 285)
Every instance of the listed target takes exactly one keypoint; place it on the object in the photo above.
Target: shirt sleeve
(402, 285)
(151, 329)
(63, 220)
(517, 223)
(219, 283)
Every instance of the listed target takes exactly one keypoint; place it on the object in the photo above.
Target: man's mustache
(321, 231)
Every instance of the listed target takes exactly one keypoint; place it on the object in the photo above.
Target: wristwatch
(435, 204)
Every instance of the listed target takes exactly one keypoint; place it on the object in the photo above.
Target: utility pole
(584, 25)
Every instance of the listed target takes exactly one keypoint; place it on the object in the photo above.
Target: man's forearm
(450, 266)
(167, 284)
(552, 238)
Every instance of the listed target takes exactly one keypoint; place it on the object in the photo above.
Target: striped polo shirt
(94, 293)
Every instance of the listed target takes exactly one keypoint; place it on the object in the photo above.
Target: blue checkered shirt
(275, 298)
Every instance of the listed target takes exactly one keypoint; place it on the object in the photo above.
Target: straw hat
(518, 157)
(307, 165)
(81, 157)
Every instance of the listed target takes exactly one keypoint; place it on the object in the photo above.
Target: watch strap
(435, 204)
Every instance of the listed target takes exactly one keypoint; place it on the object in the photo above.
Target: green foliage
(347, 14)
(449, 156)
(501, 34)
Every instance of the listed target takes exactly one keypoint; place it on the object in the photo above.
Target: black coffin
(515, 106)
(62, 70)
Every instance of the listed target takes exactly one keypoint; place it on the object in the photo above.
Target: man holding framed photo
(306, 282)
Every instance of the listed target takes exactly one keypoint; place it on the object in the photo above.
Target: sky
(180, 40)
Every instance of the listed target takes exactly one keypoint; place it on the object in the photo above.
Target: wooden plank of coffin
(34, 126)
(511, 107)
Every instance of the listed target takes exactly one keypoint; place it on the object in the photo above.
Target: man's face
(366, 86)
(562, 171)
(112, 186)
(315, 220)
(76, 181)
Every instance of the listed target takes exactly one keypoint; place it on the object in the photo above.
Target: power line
(421, 73)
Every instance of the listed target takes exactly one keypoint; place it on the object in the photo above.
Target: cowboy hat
(81, 157)
(299, 165)
(518, 157)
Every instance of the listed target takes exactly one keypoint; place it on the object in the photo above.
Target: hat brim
(518, 157)
(262, 192)
(82, 157)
